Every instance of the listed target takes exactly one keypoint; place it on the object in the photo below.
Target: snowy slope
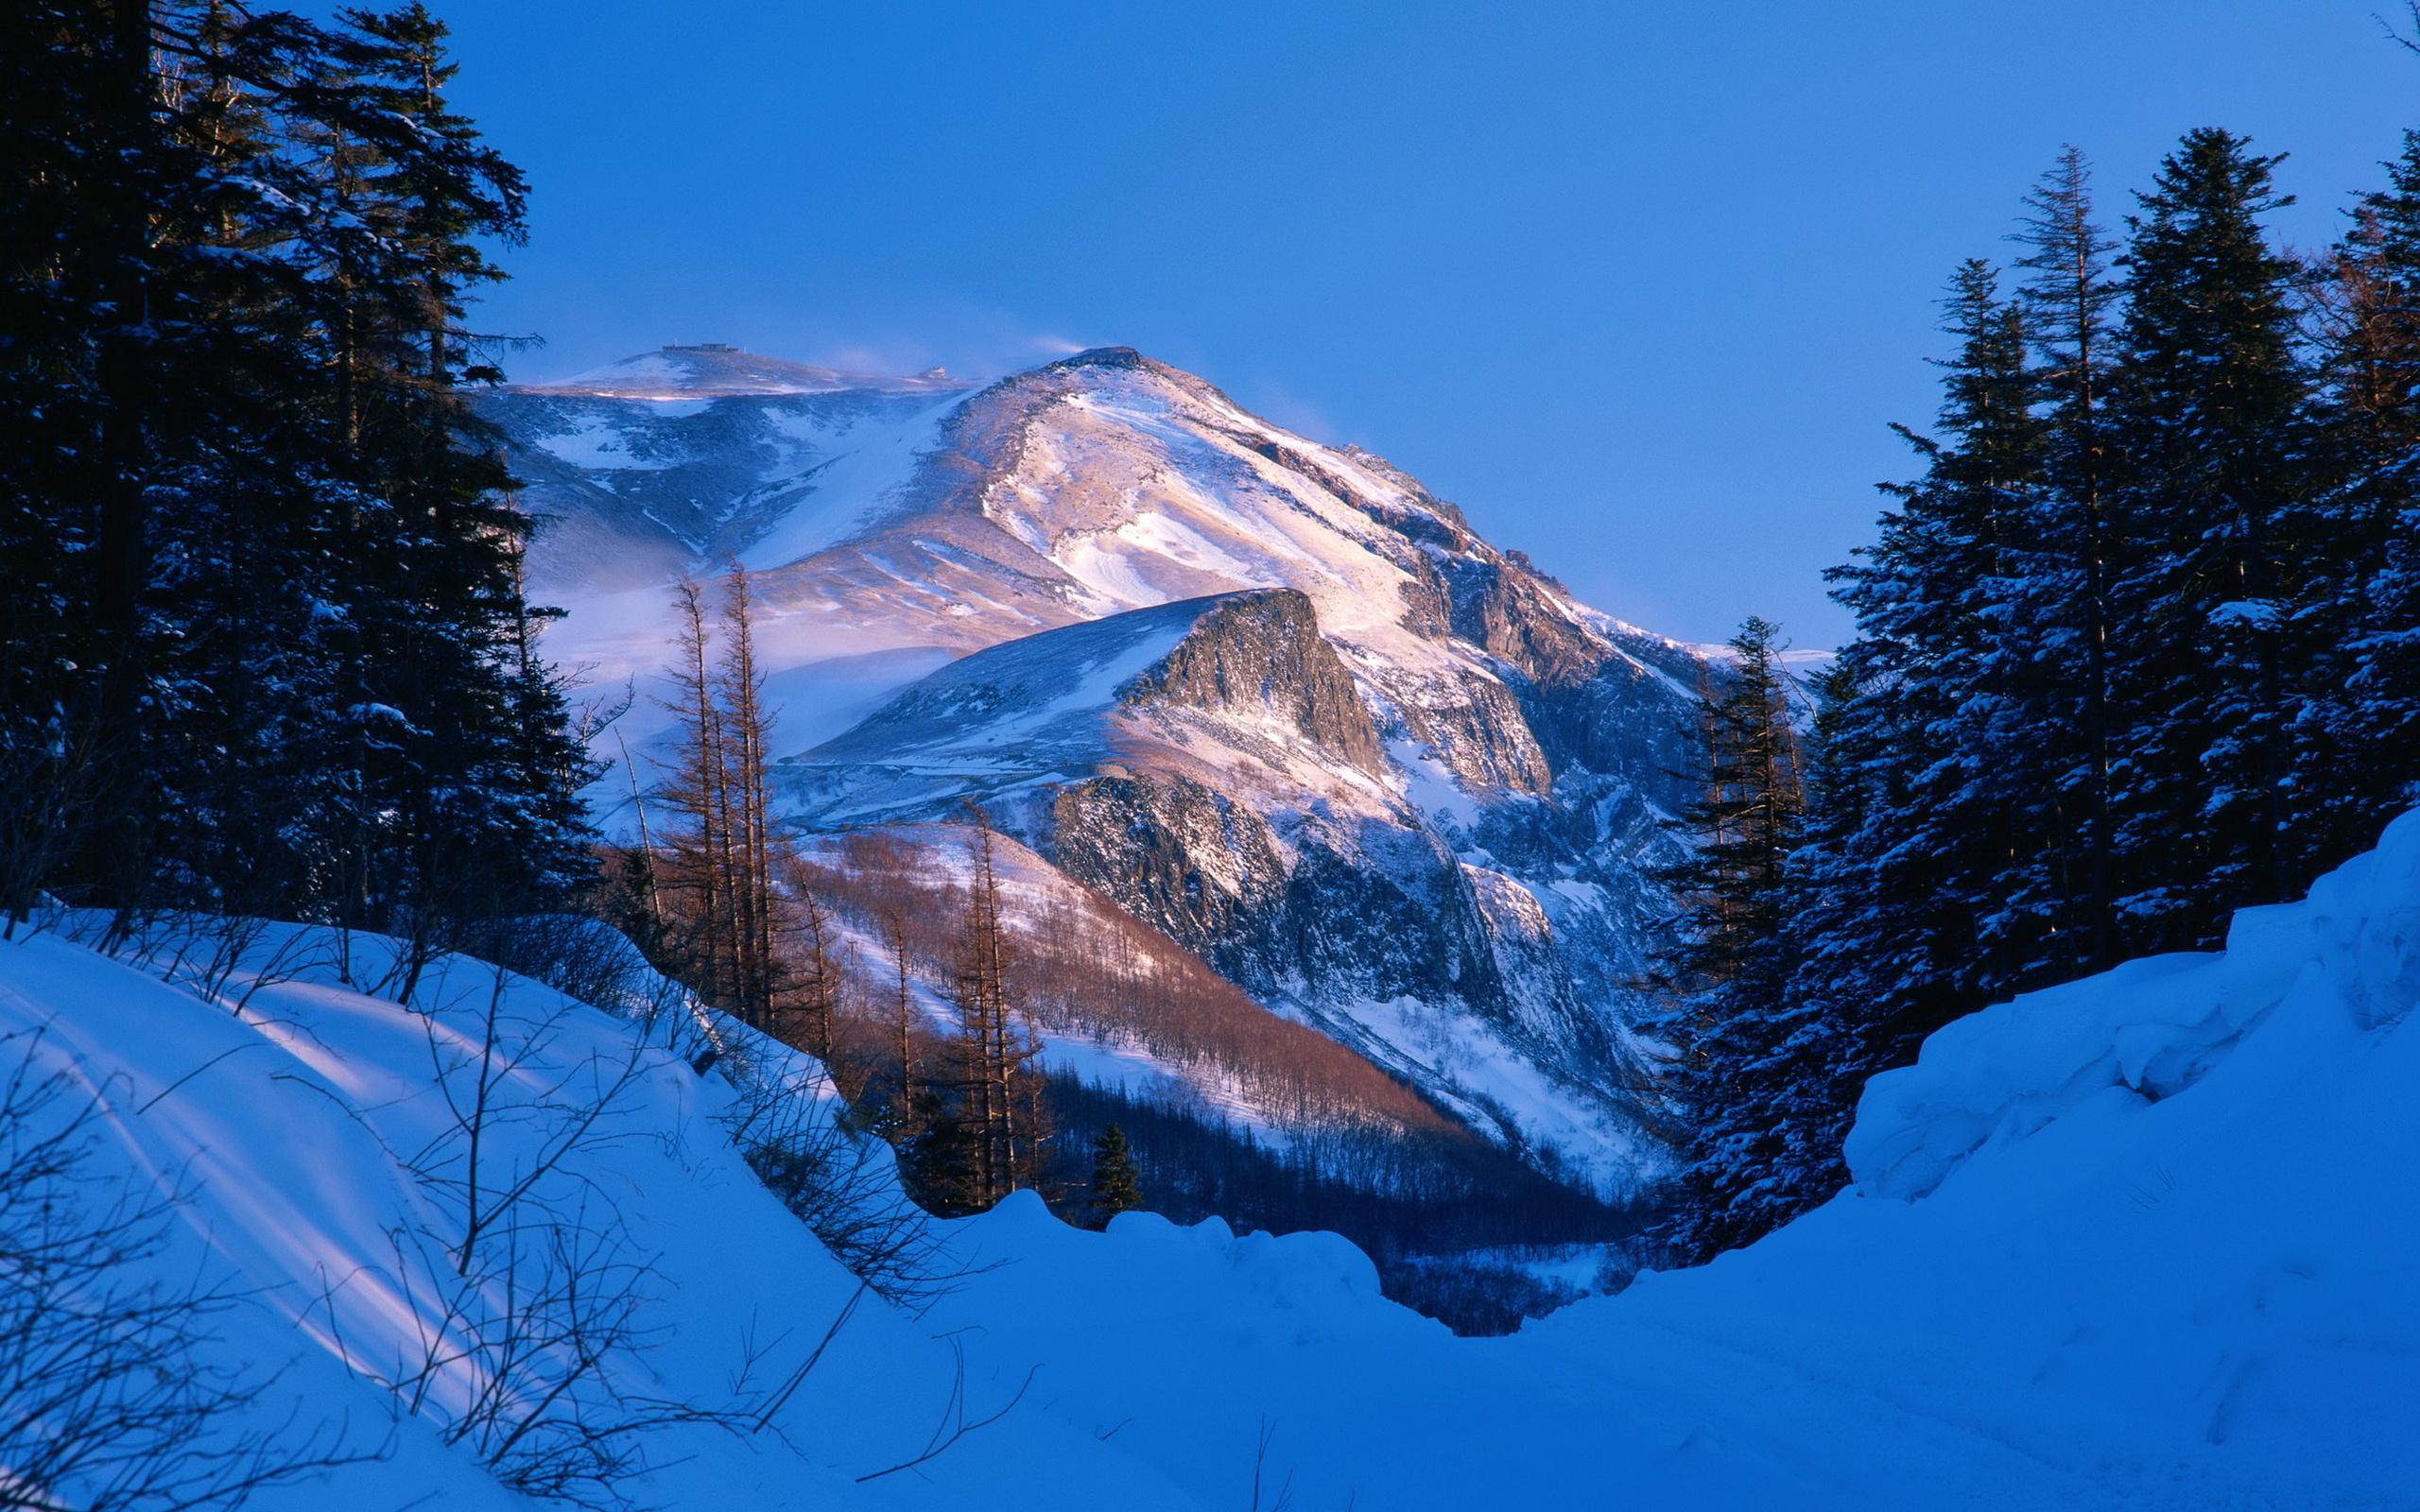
(1464, 900)
(290, 1122)
(2146, 1243)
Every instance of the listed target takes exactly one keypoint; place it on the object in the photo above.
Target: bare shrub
(528, 1294)
(221, 958)
(844, 1186)
(104, 1403)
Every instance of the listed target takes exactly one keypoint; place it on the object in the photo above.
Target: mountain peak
(712, 368)
(1102, 357)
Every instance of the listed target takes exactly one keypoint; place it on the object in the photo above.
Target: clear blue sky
(1637, 284)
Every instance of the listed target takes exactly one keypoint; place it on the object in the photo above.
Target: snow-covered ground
(2147, 1241)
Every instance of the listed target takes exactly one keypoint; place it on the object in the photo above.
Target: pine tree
(1116, 1185)
(1729, 1019)
(266, 643)
(1746, 814)
(1926, 873)
(2211, 422)
(2062, 611)
(2357, 727)
(2134, 652)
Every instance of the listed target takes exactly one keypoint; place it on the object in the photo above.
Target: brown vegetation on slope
(1083, 967)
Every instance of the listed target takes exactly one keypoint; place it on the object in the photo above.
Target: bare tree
(698, 866)
(529, 1294)
(999, 1115)
(732, 931)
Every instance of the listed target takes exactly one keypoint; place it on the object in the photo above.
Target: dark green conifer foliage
(938, 1156)
(1118, 1183)
(1729, 1027)
(2061, 610)
(2137, 650)
(265, 642)
(1924, 883)
(2357, 733)
(1747, 812)
(2210, 426)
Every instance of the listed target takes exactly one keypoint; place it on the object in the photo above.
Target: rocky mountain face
(1273, 699)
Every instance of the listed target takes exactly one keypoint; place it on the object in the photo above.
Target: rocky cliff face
(1275, 698)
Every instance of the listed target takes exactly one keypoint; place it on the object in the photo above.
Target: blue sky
(1639, 285)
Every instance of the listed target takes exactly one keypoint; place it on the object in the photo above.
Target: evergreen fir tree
(2212, 423)
(2062, 610)
(1116, 1185)
(266, 645)
(2357, 727)
(1923, 884)
(1729, 1021)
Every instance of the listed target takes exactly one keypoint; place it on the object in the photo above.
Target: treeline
(1396, 1196)
(2140, 646)
(264, 646)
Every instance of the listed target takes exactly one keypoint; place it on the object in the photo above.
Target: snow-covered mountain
(1273, 697)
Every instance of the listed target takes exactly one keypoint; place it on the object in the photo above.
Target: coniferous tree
(266, 643)
(1729, 1024)
(1118, 1183)
(2136, 650)
(2210, 423)
(2357, 724)
(2062, 607)
(1834, 1020)
(1922, 885)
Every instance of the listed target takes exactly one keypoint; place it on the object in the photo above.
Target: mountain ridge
(1472, 908)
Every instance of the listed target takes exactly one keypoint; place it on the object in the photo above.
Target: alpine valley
(1273, 702)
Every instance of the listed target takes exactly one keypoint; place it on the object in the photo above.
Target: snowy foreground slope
(2147, 1241)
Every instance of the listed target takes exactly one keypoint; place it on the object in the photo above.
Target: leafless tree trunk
(1000, 1107)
